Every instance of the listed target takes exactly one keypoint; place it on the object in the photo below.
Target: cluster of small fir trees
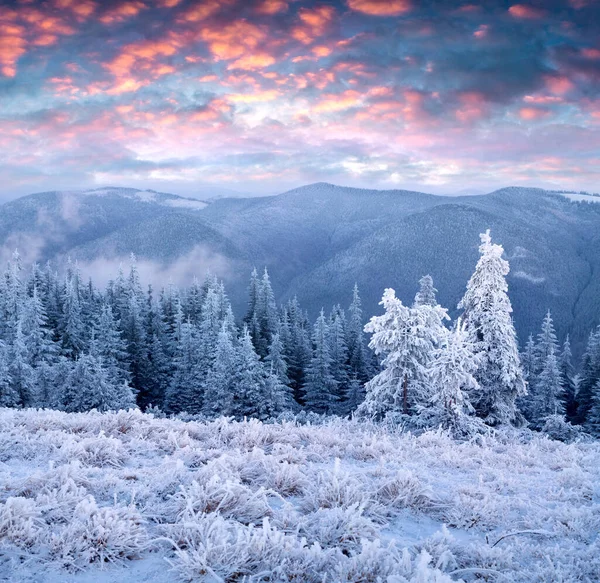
(471, 374)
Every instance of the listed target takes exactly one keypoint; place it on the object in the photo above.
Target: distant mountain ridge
(318, 240)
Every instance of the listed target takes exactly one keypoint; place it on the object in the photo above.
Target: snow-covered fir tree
(487, 316)
(186, 391)
(405, 338)
(21, 372)
(250, 399)
(452, 377)
(426, 294)
(219, 386)
(547, 343)
(590, 374)
(275, 360)
(568, 375)
(338, 350)
(592, 422)
(88, 387)
(261, 319)
(358, 358)
(528, 359)
(321, 388)
(110, 346)
(8, 395)
(548, 392)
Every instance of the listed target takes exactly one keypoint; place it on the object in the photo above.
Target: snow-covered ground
(126, 497)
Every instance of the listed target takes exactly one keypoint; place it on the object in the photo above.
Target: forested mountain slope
(320, 239)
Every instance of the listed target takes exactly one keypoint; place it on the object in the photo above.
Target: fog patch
(528, 277)
(48, 229)
(181, 271)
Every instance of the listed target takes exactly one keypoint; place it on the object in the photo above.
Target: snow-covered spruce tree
(261, 319)
(72, 327)
(275, 360)
(548, 392)
(88, 387)
(321, 390)
(590, 374)
(42, 351)
(452, 377)
(12, 295)
(358, 358)
(193, 302)
(338, 351)
(251, 317)
(406, 338)
(38, 337)
(547, 343)
(21, 373)
(186, 391)
(487, 316)
(111, 347)
(8, 396)
(426, 294)
(529, 366)
(528, 359)
(297, 347)
(567, 371)
(250, 399)
(219, 386)
(592, 422)
(133, 326)
(160, 360)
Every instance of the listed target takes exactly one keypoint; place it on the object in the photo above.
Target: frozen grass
(91, 497)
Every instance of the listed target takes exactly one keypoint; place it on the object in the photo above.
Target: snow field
(92, 497)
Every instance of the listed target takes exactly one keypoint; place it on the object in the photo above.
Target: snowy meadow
(107, 496)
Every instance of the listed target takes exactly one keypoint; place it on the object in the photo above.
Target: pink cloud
(380, 7)
(525, 11)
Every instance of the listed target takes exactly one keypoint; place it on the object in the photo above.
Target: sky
(260, 96)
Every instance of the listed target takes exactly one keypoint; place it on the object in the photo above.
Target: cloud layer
(264, 95)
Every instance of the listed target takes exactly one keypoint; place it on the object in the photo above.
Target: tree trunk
(405, 395)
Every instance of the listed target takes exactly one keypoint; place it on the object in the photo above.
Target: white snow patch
(580, 197)
(185, 203)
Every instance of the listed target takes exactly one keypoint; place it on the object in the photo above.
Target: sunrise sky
(262, 96)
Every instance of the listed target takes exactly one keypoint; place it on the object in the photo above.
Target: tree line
(66, 344)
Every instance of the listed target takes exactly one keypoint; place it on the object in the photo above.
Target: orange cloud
(234, 40)
(82, 9)
(122, 12)
(315, 23)
(12, 46)
(338, 101)
(28, 27)
(525, 11)
(272, 7)
(253, 62)
(138, 64)
(204, 10)
(532, 113)
(380, 7)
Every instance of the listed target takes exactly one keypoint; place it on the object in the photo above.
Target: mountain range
(318, 240)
